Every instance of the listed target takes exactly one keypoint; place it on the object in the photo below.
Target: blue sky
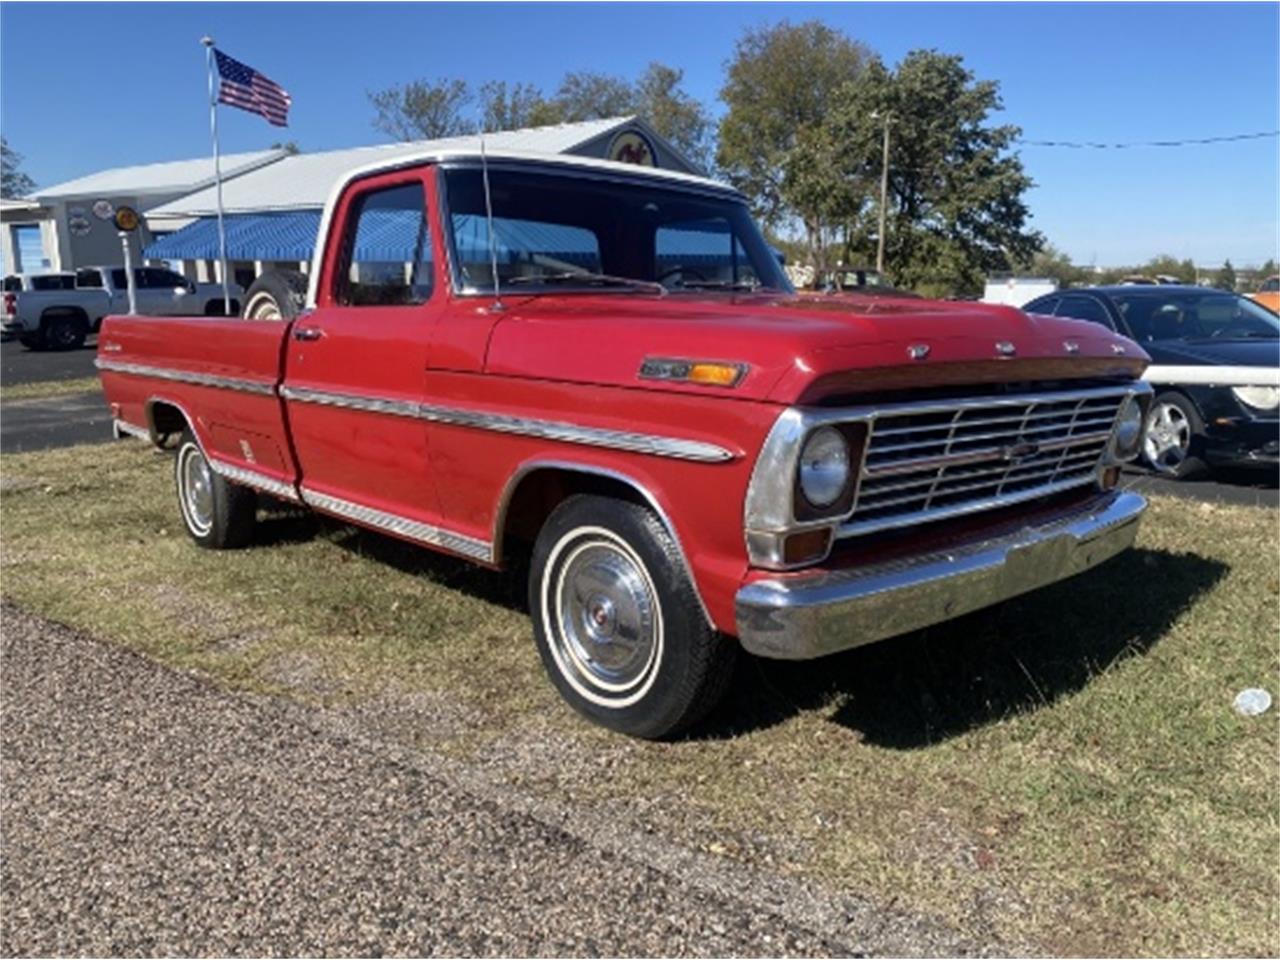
(88, 87)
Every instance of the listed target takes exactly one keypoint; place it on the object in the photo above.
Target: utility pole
(884, 192)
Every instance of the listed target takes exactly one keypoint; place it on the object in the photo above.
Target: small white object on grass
(1252, 701)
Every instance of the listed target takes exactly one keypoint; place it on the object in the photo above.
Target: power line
(1090, 145)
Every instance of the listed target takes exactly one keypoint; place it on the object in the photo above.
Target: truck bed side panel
(222, 373)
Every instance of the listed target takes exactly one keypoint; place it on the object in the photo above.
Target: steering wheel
(696, 274)
(1226, 329)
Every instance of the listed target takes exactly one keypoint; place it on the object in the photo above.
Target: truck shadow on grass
(925, 687)
(905, 692)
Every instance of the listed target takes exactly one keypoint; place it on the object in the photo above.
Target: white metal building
(272, 200)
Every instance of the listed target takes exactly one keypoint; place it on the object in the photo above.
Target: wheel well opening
(64, 313)
(538, 493)
(167, 421)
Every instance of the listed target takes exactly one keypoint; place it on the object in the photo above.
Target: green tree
(673, 113)
(782, 84)
(511, 107)
(13, 182)
(423, 109)
(1051, 262)
(1168, 265)
(956, 207)
(1226, 278)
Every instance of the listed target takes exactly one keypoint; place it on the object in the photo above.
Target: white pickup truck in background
(60, 318)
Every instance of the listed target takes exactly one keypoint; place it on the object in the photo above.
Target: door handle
(307, 333)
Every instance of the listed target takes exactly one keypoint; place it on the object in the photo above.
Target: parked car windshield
(1191, 315)
(559, 232)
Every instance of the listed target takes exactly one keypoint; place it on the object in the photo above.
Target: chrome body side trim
(646, 443)
(186, 376)
(805, 616)
(252, 478)
(122, 428)
(532, 466)
(415, 530)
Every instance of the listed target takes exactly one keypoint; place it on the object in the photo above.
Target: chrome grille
(928, 461)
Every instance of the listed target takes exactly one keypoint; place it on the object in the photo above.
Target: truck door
(355, 365)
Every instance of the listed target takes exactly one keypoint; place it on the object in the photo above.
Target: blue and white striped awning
(250, 236)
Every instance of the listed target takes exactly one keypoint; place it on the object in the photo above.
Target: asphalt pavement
(147, 812)
(20, 365)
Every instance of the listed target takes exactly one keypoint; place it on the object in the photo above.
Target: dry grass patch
(44, 389)
(1065, 771)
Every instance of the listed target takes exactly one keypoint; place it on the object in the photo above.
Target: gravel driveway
(146, 812)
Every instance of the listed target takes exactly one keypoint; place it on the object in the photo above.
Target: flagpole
(207, 42)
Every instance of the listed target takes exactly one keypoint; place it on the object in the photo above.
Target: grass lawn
(44, 389)
(1065, 772)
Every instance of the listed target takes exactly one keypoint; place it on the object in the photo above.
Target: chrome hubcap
(1168, 437)
(602, 616)
(197, 489)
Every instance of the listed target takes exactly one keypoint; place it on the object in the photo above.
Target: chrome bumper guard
(801, 617)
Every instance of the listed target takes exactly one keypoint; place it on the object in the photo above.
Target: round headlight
(1259, 398)
(1128, 435)
(824, 467)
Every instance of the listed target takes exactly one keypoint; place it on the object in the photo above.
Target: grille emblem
(918, 351)
(1022, 450)
(1005, 348)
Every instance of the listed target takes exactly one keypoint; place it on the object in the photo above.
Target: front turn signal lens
(807, 546)
(715, 374)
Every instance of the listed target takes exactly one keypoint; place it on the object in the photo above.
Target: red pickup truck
(602, 371)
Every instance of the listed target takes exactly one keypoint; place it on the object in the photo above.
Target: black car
(1215, 366)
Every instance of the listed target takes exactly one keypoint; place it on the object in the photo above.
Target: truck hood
(800, 348)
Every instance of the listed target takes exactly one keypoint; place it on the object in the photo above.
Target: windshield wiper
(588, 278)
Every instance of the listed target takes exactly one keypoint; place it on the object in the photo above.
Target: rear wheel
(277, 295)
(618, 623)
(218, 514)
(65, 332)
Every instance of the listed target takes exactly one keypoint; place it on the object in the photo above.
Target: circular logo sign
(632, 147)
(103, 210)
(78, 221)
(126, 219)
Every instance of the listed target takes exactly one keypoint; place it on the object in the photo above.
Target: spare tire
(278, 295)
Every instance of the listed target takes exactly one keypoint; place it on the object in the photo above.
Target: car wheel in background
(618, 623)
(65, 333)
(1174, 436)
(277, 295)
(218, 514)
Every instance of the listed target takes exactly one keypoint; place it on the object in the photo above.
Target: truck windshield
(550, 227)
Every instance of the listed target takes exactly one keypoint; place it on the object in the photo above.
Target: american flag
(247, 89)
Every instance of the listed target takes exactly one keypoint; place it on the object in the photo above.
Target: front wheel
(218, 514)
(1173, 437)
(618, 623)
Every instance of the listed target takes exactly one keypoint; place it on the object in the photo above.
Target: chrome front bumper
(804, 616)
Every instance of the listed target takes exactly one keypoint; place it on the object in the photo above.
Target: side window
(387, 257)
(86, 279)
(1045, 306)
(701, 251)
(51, 281)
(119, 280)
(156, 278)
(1084, 308)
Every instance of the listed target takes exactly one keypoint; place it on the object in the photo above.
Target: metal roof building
(271, 199)
(68, 225)
(272, 213)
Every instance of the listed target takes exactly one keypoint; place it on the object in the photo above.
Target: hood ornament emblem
(1070, 346)
(918, 351)
(1005, 348)
(1118, 349)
